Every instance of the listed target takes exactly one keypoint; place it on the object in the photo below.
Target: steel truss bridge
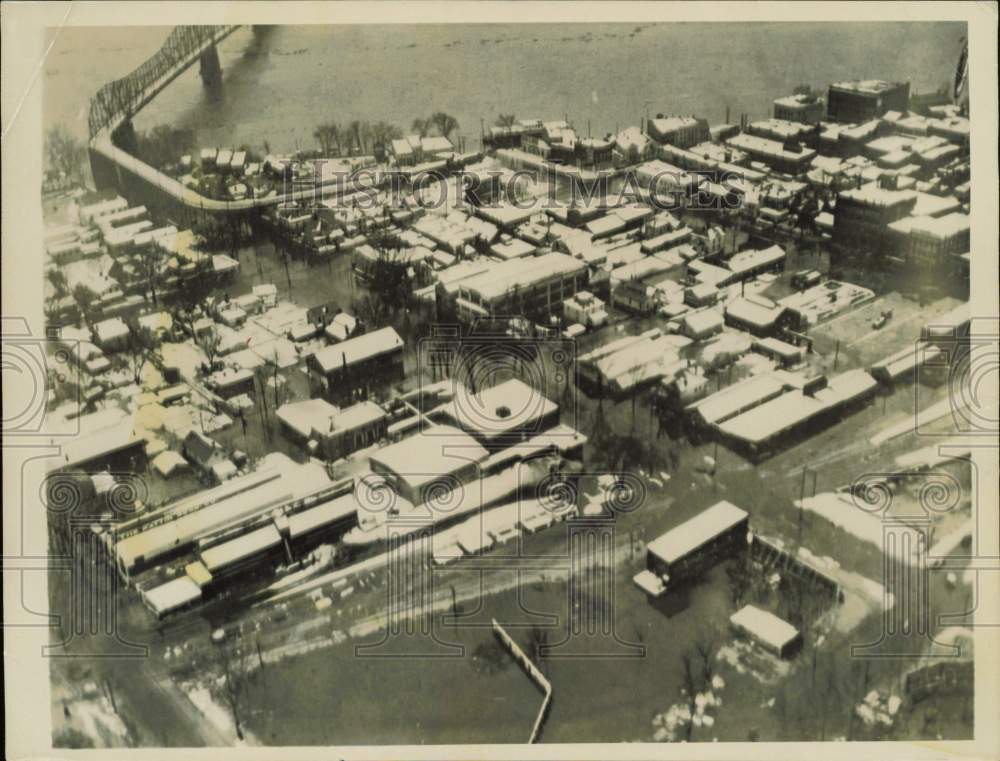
(119, 100)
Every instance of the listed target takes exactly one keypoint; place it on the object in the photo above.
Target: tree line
(359, 137)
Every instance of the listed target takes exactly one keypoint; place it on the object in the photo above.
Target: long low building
(819, 402)
(696, 545)
(737, 399)
(772, 633)
(157, 536)
(779, 156)
(904, 363)
(533, 286)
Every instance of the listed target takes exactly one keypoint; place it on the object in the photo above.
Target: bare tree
(209, 341)
(328, 136)
(139, 348)
(689, 688)
(421, 127)
(64, 152)
(86, 298)
(444, 123)
(152, 263)
(705, 647)
(235, 668)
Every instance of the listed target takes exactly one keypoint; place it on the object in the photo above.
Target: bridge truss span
(121, 99)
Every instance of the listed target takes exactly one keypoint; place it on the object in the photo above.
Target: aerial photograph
(508, 383)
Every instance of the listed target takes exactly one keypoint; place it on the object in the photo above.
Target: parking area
(861, 343)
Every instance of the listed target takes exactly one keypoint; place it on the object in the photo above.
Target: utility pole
(836, 355)
(802, 496)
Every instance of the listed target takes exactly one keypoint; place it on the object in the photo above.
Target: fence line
(533, 672)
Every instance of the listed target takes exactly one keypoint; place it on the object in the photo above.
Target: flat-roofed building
(766, 629)
(535, 286)
(171, 597)
(862, 216)
(932, 239)
(802, 107)
(156, 536)
(242, 552)
(680, 131)
(337, 432)
(322, 522)
(862, 100)
(801, 411)
(499, 416)
(428, 464)
(781, 130)
(789, 157)
(904, 363)
(342, 371)
(696, 545)
(736, 399)
(107, 440)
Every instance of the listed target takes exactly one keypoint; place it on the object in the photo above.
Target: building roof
(753, 311)
(513, 249)
(492, 412)
(761, 145)
(696, 532)
(741, 396)
(764, 626)
(748, 260)
(782, 128)
(521, 273)
(781, 348)
(171, 596)
(797, 101)
(185, 520)
(867, 86)
(705, 321)
(358, 349)
(934, 206)
(782, 413)
(631, 137)
(436, 144)
(429, 455)
(357, 415)
(673, 123)
(936, 227)
(110, 329)
(872, 195)
(243, 547)
(306, 416)
(93, 435)
(322, 516)
(199, 447)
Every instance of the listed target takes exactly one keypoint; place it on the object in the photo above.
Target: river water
(279, 87)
